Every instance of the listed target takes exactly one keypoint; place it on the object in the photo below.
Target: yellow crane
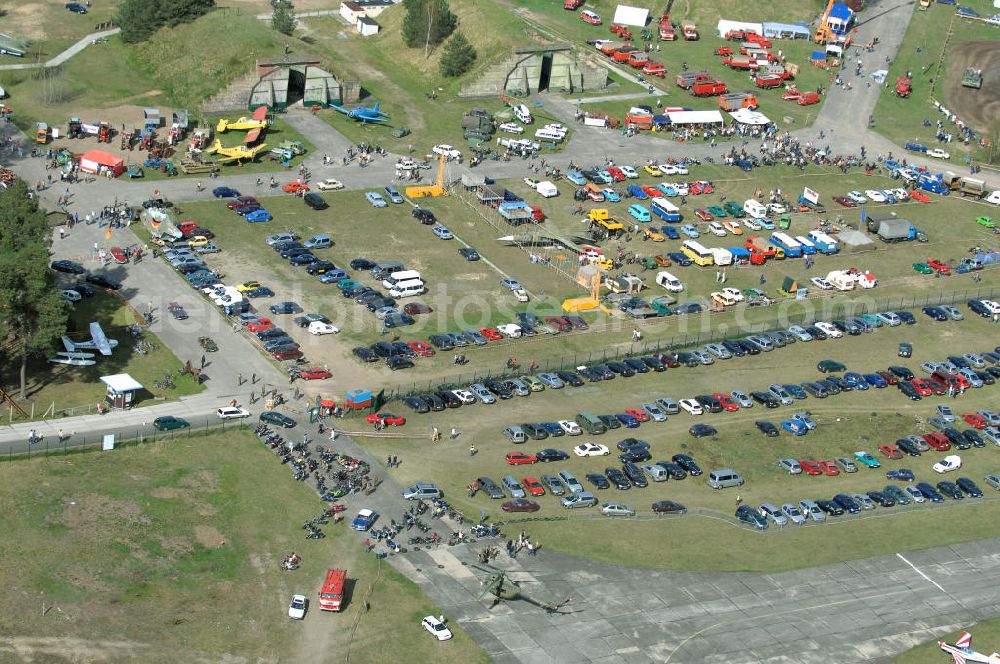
(435, 189)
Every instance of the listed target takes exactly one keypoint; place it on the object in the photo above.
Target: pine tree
(139, 19)
(427, 22)
(283, 20)
(458, 56)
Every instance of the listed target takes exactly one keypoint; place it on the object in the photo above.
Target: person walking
(454, 433)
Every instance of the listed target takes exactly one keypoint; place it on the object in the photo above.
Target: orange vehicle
(655, 69)
(624, 53)
(638, 59)
(331, 595)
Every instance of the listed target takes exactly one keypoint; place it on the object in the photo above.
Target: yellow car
(655, 236)
(248, 286)
(653, 170)
(732, 227)
(198, 241)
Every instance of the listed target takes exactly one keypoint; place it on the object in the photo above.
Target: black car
(315, 201)
(271, 333)
(400, 348)
(598, 480)
(617, 478)
(668, 507)
(709, 403)
(907, 389)
(103, 282)
(881, 499)
(929, 492)
(734, 347)
(636, 365)
(397, 362)
(417, 404)
(680, 259)
(688, 359)
(974, 438)
(767, 428)
(362, 264)
(702, 430)
(653, 363)
(901, 372)
(499, 388)
(840, 383)
(469, 254)
(321, 267)
(957, 439)
(987, 376)
(303, 259)
(687, 463)
(449, 399)
(766, 399)
(591, 374)
(550, 454)
(673, 470)
(76, 8)
(635, 475)
(365, 354)
(831, 387)
(424, 215)
(435, 402)
(635, 456)
(285, 308)
(750, 516)
(86, 291)
(936, 313)
(969, 487)
(830, 507)
(908, 446)
(535, 431)
(382, 349)
(977, 307)
(569, 378)
(629, 444)
(398, 320)
(69, 267)
(621, 369)
(816, 333)
(849, 504)
(610, 421)
(490, 488)
(950, 489)
(441, 342)
(906, 317)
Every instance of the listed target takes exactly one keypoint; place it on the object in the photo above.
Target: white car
(465, 396)
(992, 306)
(629, 172)
(591, 449)
(994, 198)
(318, 327)
(297, 607)
(751, 223)
(232, 413)
(512, 128)
(691, 406)
(900, 194)
(811, 509)
(680, 187)
(938, 153)
(829, 330)
(856, 197)
(448, 151)
(821, 283)
(570, 427)
(668, 169)
(733, 293)
(777, 208)
(329, 184)
(511, 330)
(948, 464)
(875, 195)
(520, 294)
(531, 183)
(717, 229)
(71, 296)
(437, 628)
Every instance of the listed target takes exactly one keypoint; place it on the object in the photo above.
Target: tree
(427, 23)
(458, 56)
(139, 19)
(34, 315)
(283, 20)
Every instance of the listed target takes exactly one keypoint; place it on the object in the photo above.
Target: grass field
(171, 551)
(847, 423)
(50, 27)
(985, 636)
(67, 388)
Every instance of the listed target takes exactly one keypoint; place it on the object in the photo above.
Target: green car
(660, 305)
(830, 366)
(922, 268)
(734, 209)
(717, 211)
(169, 423)
(985, 221)
(872, 320)
(274, 417)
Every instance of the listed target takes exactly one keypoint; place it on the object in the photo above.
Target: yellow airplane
(258, 121)
(235, 153)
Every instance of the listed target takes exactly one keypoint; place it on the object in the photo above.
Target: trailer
(737, 62)
(767, 82)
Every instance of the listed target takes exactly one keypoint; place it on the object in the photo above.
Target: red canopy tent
(97, 161)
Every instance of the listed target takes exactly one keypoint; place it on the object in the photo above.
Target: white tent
(637, 16)
(695, 117)
(748, 117)
(726, 25)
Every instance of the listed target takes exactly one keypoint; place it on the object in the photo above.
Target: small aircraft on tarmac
(962, 651)
(363, 113)
(98, 341)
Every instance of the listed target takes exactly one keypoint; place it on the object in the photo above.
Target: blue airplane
(363, 113)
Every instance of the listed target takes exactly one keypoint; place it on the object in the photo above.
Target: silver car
(991, 434)
(992, 417)
(793, 514)
(617, 509)
(921, 444)
(582, 499)
(791, 466)
(889, 318)
(482, 393)
(781, 394)
(513, 486)
(519, 388)
(551, 380)
(974, 380)
(475, 337)
(863, 500)
(742, 398)
(938, 422)
(655, 412)
(846, 464)
(669, 406)
(800, 333)
(703, 357)
(952, 312)
(975, 360)
(811, 510)
(914, 493)
(554, 484)
(769, 511)
(719, 351)
(946, 413)
(993, 481)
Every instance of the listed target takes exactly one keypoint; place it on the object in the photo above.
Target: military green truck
(972, 78)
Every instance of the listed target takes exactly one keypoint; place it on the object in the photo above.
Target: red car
(260, 325)
(187, 226)
(938, 441)
(638, 413)
(414, 308)
(532, 486)
(314, 373)
(387, 419)
(976, 420)
(520, 458)
(237, 202)
(520, 505)
(890, 450)
(652, 191)
(491, 333)
(829, 467)
(295, 187)
(290, 354)
(810, 467)
(845, 201)
(420, 348)
(889, 377)
(706, 186)
(922, 387)
(918, 195)
(938, 265)
(616, 173)
(119, 254)
(728, 404)
(559, 323)
(703, 214)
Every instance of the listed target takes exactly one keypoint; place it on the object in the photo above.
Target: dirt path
(977, 107)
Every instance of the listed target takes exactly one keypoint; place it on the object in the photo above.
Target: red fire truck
(331, 595)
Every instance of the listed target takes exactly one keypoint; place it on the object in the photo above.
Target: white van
(407, 289)
(755, 209)
(399, 277)
(549, 135)
(522, 113)
(724, 478)
(547, 189)
(669, 281)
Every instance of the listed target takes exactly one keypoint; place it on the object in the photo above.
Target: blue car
(795, 390)
(856, 380)
(868, 459)
(258, 216)
(806, 419)
(627, 420)
(225, 192)
(679, 258)
(795, 427)
(364, 520)
(670, 232)
(766, 224)
(901, 474)
(690, 230)
(376, 200)
(605, 177)
(876, 381)
(552, 428)
(667, 189)
(636, 191)
(576, 178)
(611, 195)
(639, 212)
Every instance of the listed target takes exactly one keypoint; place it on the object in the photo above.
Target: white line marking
(926, 578)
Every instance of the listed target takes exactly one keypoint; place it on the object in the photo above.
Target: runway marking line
(917, 570)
